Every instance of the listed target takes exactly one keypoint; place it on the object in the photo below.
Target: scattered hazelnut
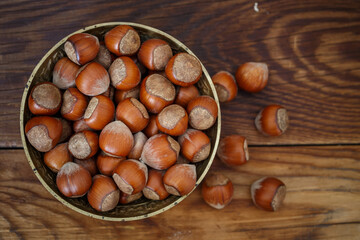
(252, 76)
(225, 86)
(217, 190)
(233, 150)
(273, 120)
(268, 193)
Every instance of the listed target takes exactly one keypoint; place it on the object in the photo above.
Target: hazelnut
(268, 193)
(83, 145)
(74, 104)
(183, 69)
(130, 176)
(103, 195)
(73, 180)
(273, 120)
(195, 145)
(133, 113)
(186, 94)
(156, 92)
(123, 94)
(124, 73)
(203, 112)
(160, 151)
(155, 189)
(122, 40)
(57, 157)
(81, 48)
(217, 190)
(252, 76)
(225, 86)
(92, 79)
(106, 164)
(44, 99)
(99, 112)
(43, 132)
(64, 73)
(180, 179)
(233, 150)
(89, 164)
(139, 142)
(154, 54)
(116, 139)
(172, 120)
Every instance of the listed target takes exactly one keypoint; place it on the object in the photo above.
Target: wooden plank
(312, 49)
(322, 202)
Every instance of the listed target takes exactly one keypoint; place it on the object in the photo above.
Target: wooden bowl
(143, 207)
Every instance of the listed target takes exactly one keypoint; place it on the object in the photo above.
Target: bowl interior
(141, 208)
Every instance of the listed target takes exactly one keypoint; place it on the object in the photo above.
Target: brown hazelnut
(82, 48)
(83, 145)
(156, 92)
(172, 120)
(154, 54)
(183, 69)
(160, 151)
(43, 132)
(44, 99)
(203, 112)
(92, 79)
(64, 73)
(122, 40)
(124, 73)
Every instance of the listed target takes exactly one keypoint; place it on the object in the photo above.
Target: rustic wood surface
(312, 49)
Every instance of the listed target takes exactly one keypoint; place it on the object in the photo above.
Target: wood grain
(312, 49)
(322, 202)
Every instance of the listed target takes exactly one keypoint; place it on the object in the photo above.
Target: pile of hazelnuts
(123, 119)
(116, 116)
(267, 193)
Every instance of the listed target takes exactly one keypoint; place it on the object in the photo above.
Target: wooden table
(313, 52)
